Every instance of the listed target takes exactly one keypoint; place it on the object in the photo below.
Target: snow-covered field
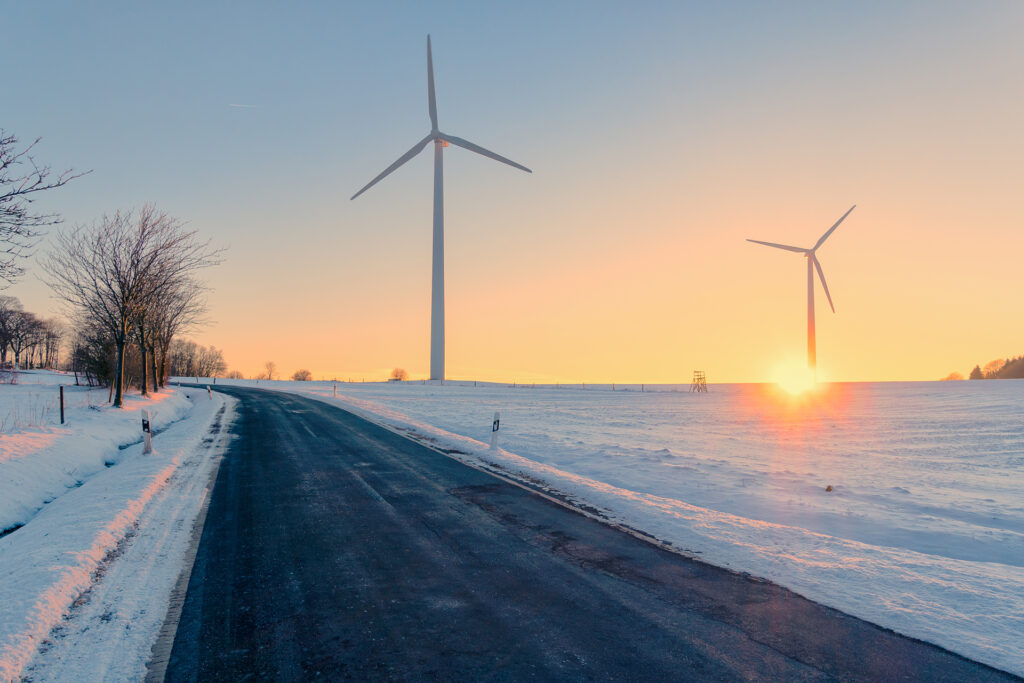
(922, 532)
(94, 531)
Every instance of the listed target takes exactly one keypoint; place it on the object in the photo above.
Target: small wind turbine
(812, 265)
(440, 141)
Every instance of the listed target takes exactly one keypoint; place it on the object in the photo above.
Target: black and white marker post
(147, 436)
(495, 426)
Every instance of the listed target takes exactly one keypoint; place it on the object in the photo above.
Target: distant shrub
(302, 376)
(234, 374)
(399, 375)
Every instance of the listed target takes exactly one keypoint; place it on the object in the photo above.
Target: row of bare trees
(130, 281)
(28, 337)
(188, 359)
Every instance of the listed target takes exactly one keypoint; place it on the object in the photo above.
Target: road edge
(156, 667)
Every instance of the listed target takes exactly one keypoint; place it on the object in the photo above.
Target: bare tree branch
(20, 179)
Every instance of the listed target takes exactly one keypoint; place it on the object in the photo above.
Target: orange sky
(622, 257)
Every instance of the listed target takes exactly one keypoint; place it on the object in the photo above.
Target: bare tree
(211, 362)
(36, 341)
(9, 305)
(99, 270)
(302, 376)
(188, 359)
(113, 269)
(53, 334)
(271, 368)
(175, 312)
(20, 179)
(24, 327)
(399, 375)
(92, 351)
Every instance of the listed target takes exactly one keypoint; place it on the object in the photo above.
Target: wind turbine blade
(430, 88)
(832, 229)
(798, 250)
(401, 160)
(821, 276)
(466, 144)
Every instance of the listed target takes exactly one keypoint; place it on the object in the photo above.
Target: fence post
(62, 404)
(494, 430)
(209, 390)
(147, 435)
(335, 390)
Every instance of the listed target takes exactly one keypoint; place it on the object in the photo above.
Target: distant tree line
(130, 282)
(27, 340)
(188, 359)
(1008, 368)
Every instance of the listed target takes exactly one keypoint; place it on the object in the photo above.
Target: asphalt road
(336, 549)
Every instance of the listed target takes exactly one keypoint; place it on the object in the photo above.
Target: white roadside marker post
(209, 391)
(335, 390)
(147, 436)
(494, 430)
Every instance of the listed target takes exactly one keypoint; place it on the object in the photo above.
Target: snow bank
(40, 459)
(65, 545)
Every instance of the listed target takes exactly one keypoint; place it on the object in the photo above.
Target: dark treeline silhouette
(27, 341)
(1008, 368)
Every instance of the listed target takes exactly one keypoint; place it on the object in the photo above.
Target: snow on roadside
(41, 460)
(55, 560)
(950, 570)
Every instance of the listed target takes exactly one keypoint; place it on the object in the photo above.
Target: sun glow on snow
(795, 379)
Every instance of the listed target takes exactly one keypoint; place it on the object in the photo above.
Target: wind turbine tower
(812, 265)
(440, 140)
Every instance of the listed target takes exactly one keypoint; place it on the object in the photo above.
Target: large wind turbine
(440, 141)
(812, 265)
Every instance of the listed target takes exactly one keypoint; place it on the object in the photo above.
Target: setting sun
(795, 378)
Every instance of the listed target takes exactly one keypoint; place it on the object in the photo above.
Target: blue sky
(651, 128)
